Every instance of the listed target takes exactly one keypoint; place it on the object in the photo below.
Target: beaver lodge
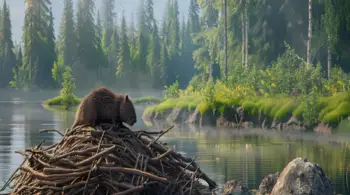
(108, 160)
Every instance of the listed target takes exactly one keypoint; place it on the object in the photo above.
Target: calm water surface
(222, 154)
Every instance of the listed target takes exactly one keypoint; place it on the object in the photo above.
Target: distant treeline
(157, 53)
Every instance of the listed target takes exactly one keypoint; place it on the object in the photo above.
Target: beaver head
(127, 111)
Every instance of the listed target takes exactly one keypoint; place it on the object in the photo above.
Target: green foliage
(172, 91)
(68, 87)
(58, 70)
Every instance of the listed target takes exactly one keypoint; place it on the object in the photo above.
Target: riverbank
(281, 112)
(59, 101)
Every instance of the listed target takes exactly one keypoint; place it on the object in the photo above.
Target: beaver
(103, 106)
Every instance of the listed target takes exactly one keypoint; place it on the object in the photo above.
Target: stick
(93, 164)
(166, 131)
(51, 130)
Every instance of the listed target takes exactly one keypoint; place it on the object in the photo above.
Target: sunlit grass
(58, 101)
(330, 109)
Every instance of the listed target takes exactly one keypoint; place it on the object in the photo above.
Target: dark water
(222, 154)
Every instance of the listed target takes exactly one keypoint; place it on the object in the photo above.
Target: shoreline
(277, 116)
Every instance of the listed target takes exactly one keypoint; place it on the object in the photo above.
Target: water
(223, 154)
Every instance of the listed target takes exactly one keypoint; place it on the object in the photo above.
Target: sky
(17, 9)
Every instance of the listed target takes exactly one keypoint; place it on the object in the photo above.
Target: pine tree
(35, 32)
(153, 57)
(101, 57)
(48, 57)
(67, 38)
(174, 44)
(86, 34)
(124, 66)
(108, 22)
(142, 39)
(8, 59)
(132, 32)
(193, 17)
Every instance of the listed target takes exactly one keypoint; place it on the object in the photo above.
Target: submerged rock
(234, 187)
(301, 177)
(268, 183)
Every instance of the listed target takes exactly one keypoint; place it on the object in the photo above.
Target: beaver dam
(108, 160)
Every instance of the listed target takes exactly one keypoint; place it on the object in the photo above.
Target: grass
(147, 100)
(330, 109)
(58, 101)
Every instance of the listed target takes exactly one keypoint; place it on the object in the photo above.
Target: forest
(269, 46)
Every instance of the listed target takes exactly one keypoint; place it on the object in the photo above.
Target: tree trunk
(329, 58)
(246, 34)
(308, 49)
(243, 39)
(226, 40)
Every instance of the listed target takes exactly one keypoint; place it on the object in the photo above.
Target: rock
(268, 183)
(234, 187)
(301, 177)
(174, 115)
(323, 128)
(194, 117)
(246, 125)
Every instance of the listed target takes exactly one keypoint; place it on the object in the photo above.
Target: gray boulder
(301, 177)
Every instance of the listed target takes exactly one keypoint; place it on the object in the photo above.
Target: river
(224, 154)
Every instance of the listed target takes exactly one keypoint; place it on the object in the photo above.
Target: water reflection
(223, 154)
(249, 156)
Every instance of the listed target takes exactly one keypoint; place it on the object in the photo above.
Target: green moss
(342, 110)
(58, 101)
(149, 111)
(147, 99)
(298, 111)
(203, 107)
(185, 102)
(330, 104)
(265, 106)
(327, 109)
(166, 105)
(285, 110)
(250, 106)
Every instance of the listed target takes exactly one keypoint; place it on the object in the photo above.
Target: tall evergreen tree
(124, 66)
(67, 38)
(108, 22)
(193, 18)
(8, 59)
(49, 58)
(153, 57)
(174, 43)
(35, 32)
(86, 33)
(142, 38)
(101, 57)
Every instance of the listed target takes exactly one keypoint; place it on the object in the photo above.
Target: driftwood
(107, 160)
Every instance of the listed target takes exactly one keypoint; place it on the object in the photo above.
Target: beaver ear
(126, 98)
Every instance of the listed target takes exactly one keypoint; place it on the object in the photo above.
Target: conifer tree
(67, 38)
(86, 33)
(153, 56)
(49, 56)
(108, 22)
(124, 66)
(142, 39)
(8, 59)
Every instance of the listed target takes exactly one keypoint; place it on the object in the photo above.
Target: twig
(93, 164)
(51, 130)
(160, 135)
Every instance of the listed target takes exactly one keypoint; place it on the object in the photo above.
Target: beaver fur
(103, 106)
